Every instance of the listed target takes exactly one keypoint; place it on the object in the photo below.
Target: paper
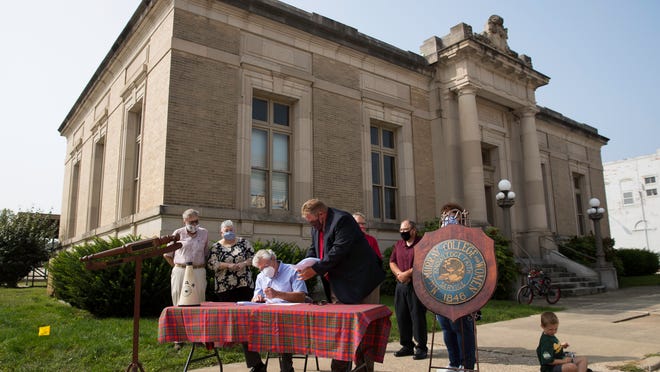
(249, 303)
(276, 301)
(305, 263)
(284, 303)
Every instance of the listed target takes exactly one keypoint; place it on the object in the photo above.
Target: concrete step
(582, 291)
(570, 283)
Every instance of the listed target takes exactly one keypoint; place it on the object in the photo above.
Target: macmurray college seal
(454, 271)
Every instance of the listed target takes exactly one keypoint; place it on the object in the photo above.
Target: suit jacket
(351, 264)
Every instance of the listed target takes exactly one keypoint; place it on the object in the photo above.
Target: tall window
(131, 175)
(97, 182)
(383, 173)
(73, 200)
(270, 155)
(579, 205)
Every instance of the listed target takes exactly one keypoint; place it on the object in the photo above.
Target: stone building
(634, 205)
(245, 109)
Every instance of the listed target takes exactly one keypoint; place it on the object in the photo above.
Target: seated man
(277, 282)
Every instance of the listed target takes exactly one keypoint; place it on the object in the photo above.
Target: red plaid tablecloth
(328, 331)
(219, 322)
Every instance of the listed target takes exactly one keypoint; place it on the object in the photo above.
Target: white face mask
(191, 228)
(268, 271)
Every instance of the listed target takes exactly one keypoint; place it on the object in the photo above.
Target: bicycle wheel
(553, 294)
(525, 295)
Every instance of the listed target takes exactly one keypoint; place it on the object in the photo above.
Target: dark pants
(459, 339)
(253, 359)
(410, 317)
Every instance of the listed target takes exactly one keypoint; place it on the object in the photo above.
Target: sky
(602, 57)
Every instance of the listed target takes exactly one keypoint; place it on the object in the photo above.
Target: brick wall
(201, 144)
(337, 150)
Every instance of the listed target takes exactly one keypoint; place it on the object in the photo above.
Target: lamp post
(505, 199)
(595, 213)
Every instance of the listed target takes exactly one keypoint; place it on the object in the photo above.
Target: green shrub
(638, 262)
(389, 284)
(110, 291)
(507, 269)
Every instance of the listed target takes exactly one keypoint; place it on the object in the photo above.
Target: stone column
(534, 198)
(534, 207)
(472, 165)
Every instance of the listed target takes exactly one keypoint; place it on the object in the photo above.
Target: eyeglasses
(195, 222)
(362, 223)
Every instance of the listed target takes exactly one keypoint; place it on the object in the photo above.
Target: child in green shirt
(551, 352)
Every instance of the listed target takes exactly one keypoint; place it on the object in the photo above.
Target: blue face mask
(229, 235)
(450, 220)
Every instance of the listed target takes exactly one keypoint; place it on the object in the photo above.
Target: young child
(551, 352)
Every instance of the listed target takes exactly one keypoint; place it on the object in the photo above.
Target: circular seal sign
(454, 271)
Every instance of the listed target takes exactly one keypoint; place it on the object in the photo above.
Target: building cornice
(331, 30)
(556, 117)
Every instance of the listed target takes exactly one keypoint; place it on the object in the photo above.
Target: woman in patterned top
(230, 259)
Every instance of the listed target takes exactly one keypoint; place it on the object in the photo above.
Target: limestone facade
(172, 120)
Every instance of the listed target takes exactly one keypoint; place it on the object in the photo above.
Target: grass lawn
(79, 341)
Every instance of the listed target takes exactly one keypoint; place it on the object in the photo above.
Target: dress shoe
(420, 354)
(258, 368)
(404, 351)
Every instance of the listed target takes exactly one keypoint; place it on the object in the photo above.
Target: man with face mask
(195, 249)
(276, 282)
(410, 312)
(348, 266)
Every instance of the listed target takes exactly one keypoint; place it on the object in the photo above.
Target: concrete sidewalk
(611, 329)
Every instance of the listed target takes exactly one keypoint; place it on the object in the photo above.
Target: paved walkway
(611, 329)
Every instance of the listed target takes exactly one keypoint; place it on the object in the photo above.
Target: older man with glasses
(195, 249)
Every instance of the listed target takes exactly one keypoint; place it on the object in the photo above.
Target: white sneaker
(447, 369)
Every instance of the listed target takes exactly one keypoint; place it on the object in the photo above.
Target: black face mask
(405, 235)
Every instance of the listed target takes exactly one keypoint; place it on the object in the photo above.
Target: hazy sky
(602, 57)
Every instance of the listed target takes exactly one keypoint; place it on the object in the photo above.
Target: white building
(633, 204)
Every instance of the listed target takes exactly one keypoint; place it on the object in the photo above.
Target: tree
(25, 238)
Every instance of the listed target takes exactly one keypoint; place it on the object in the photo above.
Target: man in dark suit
(348, 265)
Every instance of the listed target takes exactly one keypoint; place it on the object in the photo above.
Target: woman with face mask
(230, 260)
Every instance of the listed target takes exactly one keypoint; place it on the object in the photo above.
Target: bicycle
(539, 285)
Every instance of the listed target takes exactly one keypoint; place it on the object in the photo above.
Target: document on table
(274, 301)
